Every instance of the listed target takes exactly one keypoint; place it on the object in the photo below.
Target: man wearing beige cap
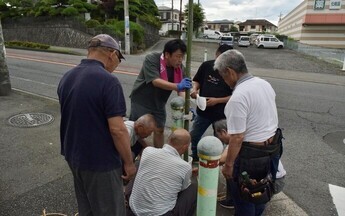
(93, 135)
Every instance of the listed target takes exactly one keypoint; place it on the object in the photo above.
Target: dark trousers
(99, 193)
(185, 203)
(243, 208)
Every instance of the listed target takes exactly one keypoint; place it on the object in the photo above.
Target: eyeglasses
(118, 55)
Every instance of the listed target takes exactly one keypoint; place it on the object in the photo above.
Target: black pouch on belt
(257, 192)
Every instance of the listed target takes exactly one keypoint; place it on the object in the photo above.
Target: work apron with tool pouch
(260, 164)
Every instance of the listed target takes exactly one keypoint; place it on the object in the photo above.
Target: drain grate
(30, 120)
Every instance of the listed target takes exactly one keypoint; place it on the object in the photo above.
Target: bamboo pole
(188, 65)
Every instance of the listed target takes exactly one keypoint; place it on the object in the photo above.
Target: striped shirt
(162, 174)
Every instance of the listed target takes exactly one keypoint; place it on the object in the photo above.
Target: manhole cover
(30, 119)
(336, 140)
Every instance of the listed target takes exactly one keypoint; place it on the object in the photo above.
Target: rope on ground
(53, 214)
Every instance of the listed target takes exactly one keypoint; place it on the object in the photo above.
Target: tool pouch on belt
(259, 192)
(256, 161)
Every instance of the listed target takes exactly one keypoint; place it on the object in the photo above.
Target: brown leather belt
(264, 143)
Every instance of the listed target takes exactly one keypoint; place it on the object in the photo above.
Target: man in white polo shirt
(252, 123)
(162, 185)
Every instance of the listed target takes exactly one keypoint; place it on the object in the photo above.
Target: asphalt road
(308, 112)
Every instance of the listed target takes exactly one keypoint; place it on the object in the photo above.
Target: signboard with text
(319, 4)
(335, 4)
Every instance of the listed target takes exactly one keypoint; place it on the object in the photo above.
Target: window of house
(175, 16)
(252, 27)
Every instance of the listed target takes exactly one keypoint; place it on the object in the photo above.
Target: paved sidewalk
(35, 177)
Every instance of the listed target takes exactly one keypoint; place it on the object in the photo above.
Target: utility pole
(127, 32)
(5, 84)
(180, 16)
(172, 14)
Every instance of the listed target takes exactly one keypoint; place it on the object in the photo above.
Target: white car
(244, 41)
(269, 42)
(211, 34)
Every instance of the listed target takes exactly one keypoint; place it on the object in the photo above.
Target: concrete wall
(52, 32)
(65, 32)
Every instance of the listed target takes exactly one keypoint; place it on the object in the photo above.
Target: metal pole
(188, 65)
(5, 84)
(177, 112)
(172, 14)
(209, 151)
(344, 64)
(180, 16)
(127, 32)
(205, 55)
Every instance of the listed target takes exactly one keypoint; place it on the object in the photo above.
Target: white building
(316, 22)
(170, 20)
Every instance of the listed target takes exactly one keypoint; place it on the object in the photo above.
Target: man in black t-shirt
(208, 83)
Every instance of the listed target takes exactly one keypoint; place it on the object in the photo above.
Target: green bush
(26, 44)
(70, 11)
(136, 30)
(92, 23)
(111, 21)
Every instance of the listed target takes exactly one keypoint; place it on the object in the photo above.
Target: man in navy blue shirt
(93, 135)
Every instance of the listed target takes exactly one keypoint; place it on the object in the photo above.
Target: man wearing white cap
(93, 135)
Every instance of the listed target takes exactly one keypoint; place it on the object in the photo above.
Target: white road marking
(33, 81)
(338, 194)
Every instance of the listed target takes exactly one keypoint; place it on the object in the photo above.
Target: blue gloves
(186, 83)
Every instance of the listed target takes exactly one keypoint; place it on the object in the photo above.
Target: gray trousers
(99, 193)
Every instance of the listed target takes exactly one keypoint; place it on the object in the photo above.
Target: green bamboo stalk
(188, 65)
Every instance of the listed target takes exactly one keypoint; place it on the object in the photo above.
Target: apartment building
(316, 22)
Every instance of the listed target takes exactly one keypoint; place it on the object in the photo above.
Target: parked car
(228, 40)
(212, 34)
(244, 41)
(227, 34)
(269, 42)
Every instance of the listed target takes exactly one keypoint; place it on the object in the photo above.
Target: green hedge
(26, 44)
(92, 23)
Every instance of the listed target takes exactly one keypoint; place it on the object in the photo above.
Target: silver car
(244, 41)
(228, 40)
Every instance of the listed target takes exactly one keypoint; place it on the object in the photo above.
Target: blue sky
(240, 10)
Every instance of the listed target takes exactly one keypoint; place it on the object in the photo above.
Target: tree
(145, 10)
(233, 29)
(198, 16)
(5, 84)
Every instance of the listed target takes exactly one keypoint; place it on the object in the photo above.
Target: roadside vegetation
(105, 16)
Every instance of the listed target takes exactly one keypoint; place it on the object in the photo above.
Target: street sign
(319, 5)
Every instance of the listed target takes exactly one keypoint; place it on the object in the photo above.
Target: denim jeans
(200, 125)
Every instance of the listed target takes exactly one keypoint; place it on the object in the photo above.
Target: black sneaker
(229, 204)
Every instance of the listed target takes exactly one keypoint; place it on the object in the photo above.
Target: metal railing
(332, 55)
